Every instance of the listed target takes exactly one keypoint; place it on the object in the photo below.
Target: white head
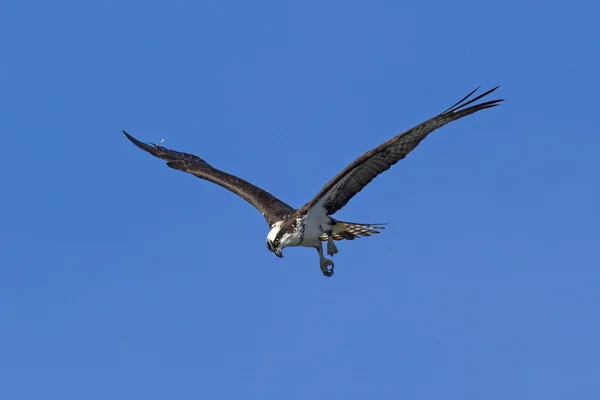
(283, 234)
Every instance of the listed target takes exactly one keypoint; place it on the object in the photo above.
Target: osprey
(312, 224)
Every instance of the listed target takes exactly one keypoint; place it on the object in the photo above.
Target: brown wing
(271, 207)
(337, 192)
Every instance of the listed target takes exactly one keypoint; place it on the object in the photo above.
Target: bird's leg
(325, 264)
(331, 247)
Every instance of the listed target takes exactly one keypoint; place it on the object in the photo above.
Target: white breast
(316, 223)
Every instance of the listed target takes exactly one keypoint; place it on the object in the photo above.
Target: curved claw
(327, 269)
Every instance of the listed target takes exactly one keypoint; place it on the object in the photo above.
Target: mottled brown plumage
(270, 206)
(311, 224)
(352, 179)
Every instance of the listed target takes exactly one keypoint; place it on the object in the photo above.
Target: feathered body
(312, 224)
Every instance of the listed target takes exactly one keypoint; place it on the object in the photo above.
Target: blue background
(124, 279)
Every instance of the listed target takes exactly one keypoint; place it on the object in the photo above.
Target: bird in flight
(312, 224)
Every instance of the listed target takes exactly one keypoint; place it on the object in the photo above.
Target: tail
(352, 230)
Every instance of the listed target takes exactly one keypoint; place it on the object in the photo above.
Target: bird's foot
(331, 247)
(326, 267)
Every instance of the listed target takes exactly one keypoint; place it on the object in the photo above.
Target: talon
(331, 247)
(327, 268)
(325, 264)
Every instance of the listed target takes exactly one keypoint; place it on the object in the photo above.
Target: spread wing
(338, 191)
(271, 207)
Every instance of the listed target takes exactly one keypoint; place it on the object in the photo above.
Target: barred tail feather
(352, 230)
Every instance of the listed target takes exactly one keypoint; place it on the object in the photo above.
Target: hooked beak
(273, 249)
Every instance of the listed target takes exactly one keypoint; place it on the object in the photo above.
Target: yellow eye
(276, 242)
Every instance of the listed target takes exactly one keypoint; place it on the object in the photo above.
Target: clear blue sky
(124, 279)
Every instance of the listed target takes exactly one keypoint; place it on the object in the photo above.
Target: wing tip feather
(149, 147)
(460, 105)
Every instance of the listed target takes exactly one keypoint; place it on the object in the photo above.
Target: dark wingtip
(144, 146)
(129, 136)
(175, 159)
(463, 103)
